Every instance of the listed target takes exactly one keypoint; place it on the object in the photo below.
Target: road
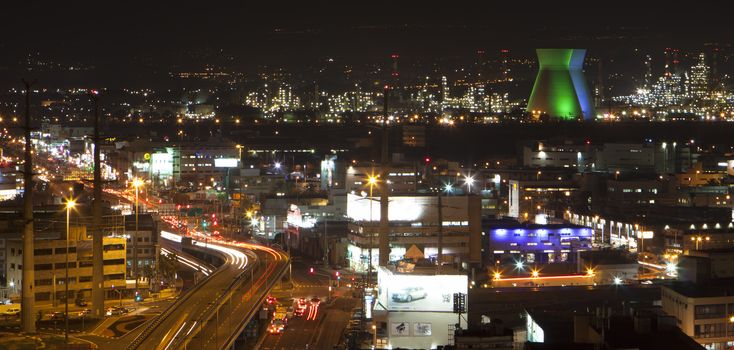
(242, 303)
(192, 312)
(320, 327)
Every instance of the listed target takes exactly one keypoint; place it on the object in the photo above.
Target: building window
(43, 296)
(72, 265)
(703, 312)
(72, 250)
(43, 251)
(710, 330)
(43, 267)
(114, 262)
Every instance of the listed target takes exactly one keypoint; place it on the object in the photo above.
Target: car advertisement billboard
(406, 292)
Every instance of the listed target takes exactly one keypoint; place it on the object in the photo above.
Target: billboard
(409, 292)
(225, 162)
(161, 164)
(407, 208)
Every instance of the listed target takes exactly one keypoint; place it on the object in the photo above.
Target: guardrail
(269, 285)
(169, 310)
(208, 313)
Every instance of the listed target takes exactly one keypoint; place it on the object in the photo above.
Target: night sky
(130, 33)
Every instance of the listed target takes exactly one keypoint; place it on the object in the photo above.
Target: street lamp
(70, 203)
(469, 181)
(699, 239)
(137, 183)
(371, 181)
(239, 148)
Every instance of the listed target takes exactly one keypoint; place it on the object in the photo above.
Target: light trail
(654, 266)
(190, 263)
(192, 328)
(174, 336)
(234, 256)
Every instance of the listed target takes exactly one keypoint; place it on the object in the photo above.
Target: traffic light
(310, 270)
(427, 159)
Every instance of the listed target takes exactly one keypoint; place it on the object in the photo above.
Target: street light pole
(136, 183)
(372, 181)
(69, 204)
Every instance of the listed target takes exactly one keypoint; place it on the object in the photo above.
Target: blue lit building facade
(538, 244)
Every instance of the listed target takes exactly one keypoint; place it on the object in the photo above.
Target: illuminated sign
(407, 292)
(327, 172)
(294, 218)
(161, 164)
(422, 209)
(225, 162)
(645, 234)
(532, 238)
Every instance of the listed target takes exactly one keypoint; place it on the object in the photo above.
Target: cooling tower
(560, 89)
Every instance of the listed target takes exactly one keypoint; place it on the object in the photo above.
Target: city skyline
(366, 175)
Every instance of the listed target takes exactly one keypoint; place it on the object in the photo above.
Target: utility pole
(440, 231)
(384, 240)
(28, 322)
(97, 240)
(326, 243)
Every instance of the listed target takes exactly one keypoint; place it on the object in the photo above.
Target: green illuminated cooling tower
(560, 89)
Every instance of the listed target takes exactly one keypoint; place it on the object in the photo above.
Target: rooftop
(714, 288)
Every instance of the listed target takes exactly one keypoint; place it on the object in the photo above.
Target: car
(276, 327)
(408, 294)
(58, 315)
(300, 307)
(81, 302)
(290, 311)
(271, 299)
(12, 311)
(114, 311)
(85, 312)
(315, 301)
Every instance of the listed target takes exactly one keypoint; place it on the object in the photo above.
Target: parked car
(12, 311)
(407, 295)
